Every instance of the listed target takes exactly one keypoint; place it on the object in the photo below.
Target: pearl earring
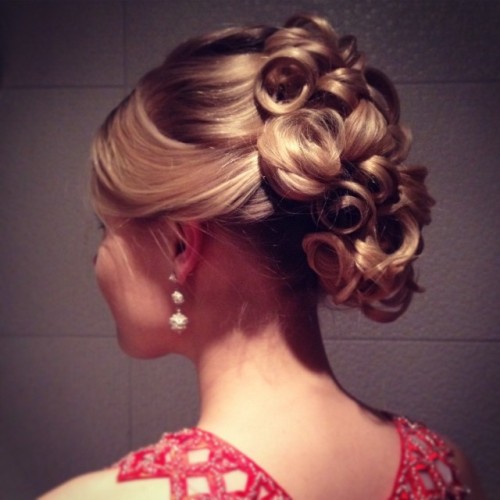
(178, 320)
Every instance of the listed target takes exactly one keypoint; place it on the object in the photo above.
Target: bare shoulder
(93, 485)
(102, 485)
(466, 472)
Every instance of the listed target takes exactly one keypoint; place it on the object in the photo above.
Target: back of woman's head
(284, 137)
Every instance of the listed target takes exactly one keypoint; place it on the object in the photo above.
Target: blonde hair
(281, 128)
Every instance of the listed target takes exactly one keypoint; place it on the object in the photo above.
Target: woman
(257, 171)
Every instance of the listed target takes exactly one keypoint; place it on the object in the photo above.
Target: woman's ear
(187, 249)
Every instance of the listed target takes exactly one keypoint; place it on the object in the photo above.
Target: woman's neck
(246, 376)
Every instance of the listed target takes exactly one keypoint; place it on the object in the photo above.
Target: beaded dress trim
(426, 469)
(201, 466)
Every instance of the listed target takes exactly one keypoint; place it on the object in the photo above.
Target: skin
(257, 350)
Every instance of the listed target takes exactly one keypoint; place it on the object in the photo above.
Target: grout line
(426, 340)
(325, 338)
(62, 87)
(129, 405)
(446, 82)
(43, 336)
(130, 416)
(124, 45)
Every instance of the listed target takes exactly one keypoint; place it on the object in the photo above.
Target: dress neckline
(425, 469)
(398, 422)
(216, 439)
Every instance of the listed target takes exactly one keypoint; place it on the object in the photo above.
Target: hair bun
(300, 153)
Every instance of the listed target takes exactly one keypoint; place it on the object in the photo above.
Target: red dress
(197, 464)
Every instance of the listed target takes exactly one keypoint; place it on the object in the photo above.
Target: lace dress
(201, 466)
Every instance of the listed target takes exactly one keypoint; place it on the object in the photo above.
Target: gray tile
(456, 128)
(48, 233)
(427, 41)
(451, 386)
(164, 398)
(413, 40)
(62, 43)
(63, 409)
(152, 29)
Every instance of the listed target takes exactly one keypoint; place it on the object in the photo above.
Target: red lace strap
(426, 469)
(201, 466)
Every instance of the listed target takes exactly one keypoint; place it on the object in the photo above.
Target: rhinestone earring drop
(178, 320)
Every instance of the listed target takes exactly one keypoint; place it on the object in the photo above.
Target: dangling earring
(178, 320)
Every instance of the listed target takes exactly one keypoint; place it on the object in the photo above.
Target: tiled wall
(69, 400)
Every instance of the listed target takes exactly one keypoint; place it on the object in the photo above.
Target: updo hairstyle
(283, 134)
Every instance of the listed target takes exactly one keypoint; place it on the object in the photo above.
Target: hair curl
(285, 130)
